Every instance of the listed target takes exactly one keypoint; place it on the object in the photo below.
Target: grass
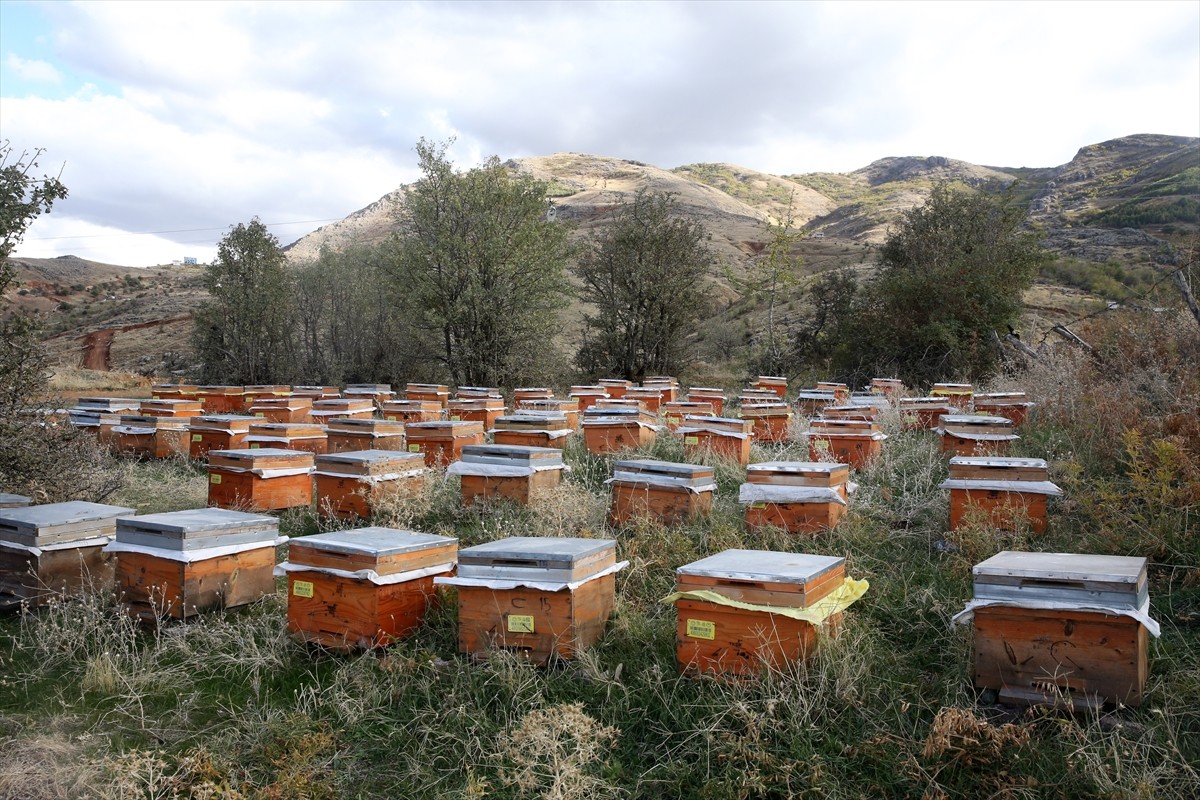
(230, 706)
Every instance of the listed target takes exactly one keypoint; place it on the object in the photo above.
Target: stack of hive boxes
(569, 408)
(772, 419)
(975, 436)
(442, 442)
(849, 441)
(723, 437)
(705, 394)
(150, 436)
(217, 432)
(533, 429)
(773, 383)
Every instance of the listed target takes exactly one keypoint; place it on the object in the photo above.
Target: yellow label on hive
(255, 446)
(414, 448)
(197, 437)
(214, 479)
(302, 588)
(691, 440)
(701, 629)
(259, 414)
(456, 419)
(518, 623)
(392, 419)
(758, 506)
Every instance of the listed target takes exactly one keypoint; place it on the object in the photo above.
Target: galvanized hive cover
(1116, 581)
(511, 455)
(651, 469)
(51, 523)
(763, 565)
(374, 541)
(539, 558)
(197, 529)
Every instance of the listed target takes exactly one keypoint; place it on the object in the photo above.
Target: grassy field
(229, 706)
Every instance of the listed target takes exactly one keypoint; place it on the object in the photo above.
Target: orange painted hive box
(532, 429)
(957, 394)
(1012, 405)
(521, 474)
(850, 411)
(316, 392)
(664, 491)
(1055, 624)
(568, 408)
(363, 588)
(704, 394)
(924, 413)
(668, 388)
(674, 412)
(332, 408)
(175, 391)
(283, 409)
(407, 411)
(442, 442)
(840, 390)
(722, 437)
(434, 392)
(1007, 493)
(55, 550)
(532, 393)
(377, 393)
(539, 597)
(353, 484)
(888, 387)
(772, 421)
(476, 409)
(752, 396)
(975, 436)
(183, 563)
(811, 403)
(797, 496)
(587, 396)
(476, 392)
(261, 479)
(217, 432)
(307, 436)
(742, 611)
(168, 407)
(151, 437)
(616, 387)
(653, 398)
(613, 430)
(849, 441)
(221, 399)
(347, 434)
(773, 383)
(257, 392)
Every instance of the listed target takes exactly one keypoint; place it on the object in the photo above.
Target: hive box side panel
(349, 613)
(523, 490)
(171, 588)
(344, 498)
(247, 491)
(1004, 510)
(663, 505)
(34, 579)
(809, 518)
(719, 639)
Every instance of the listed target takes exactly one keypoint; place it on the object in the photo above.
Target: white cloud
(33, 70)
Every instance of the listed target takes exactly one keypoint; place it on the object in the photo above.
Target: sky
(172, 121)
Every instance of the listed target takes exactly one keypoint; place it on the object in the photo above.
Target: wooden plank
(1003, 510)
(524, 490)
(247, 491)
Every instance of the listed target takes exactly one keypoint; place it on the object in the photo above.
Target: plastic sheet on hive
(772, 493)
(835, 602)
(368, 575)
(543, 586)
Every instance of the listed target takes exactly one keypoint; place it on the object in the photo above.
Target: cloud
(33, 70)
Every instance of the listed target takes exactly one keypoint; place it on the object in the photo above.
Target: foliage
(243, 334)
(822, 334)
(23, 198)
(480, 268)
(644, 274)
(1156, 211)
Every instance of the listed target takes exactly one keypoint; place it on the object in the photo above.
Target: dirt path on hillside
(96, 347)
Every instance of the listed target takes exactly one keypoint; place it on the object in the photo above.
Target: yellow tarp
(838, 600)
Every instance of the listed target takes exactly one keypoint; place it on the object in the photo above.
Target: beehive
(531, 393)
(888, 387)
(14, 500)
(587, 396)
(811, 402)
(772, 421)
(54, 550)
(651, 397)
(975, 436)
(217, 432)
(183, 563)
(772, 383)
(1047, 623)
(112, 405)
(433, 392)
(316, 392)
(263, 479)
(757, 396)
(89, 421)
(174, 391)
(608, 403)
(797, 496)
(357, 408)
(664, 491)
(957, 394)
(476, 392)
(923, 413)
(221, 399)
(848, 441)
(722, 437)
(742, 611)
(348, 434)
(442, 442)
(150, 437)
(673, 413)
(840, 390)
(521, 474)
(668, 387)
(307, 436)
(166, 407)
(569, 408)
(540, 597)
(1011, 405)
(283, 409)
(1007, 492)
(363, 588)
(353, 484)
(616, 387)
(532, 429)
(485, 410)
(613, 430)
(257, 392)
(408, 411)
(377, 393)
(850, 411)
(704, 394)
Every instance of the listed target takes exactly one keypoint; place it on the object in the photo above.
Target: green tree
(243, 334)
(644, 274)
(481, 268)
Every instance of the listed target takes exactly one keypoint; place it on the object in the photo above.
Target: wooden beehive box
(182, 563)
(609, 403)
(442, 442)
(476, 392)
(923, 413)
(888, 387)
(485, 410)
(316, 392)
(164, 407)
(263, 479)
(221, 399)
(87, 421)
(150, 437)
(674, 413)
(14, 500)
(975, 436)
(849, 441)
(174, 391)
(725, 639)
(850, 411)
(433, 392)
(363, 588)
(797, 496)
(1008, 492)
(772, 421)
(407, 411)
(540, 597)
(257, 392)
(353, 484)
(664, 491)
(283, 409)
(358, 408)
(532, 429)
(377, 393)
(521, 474)
(217, 432)
(531, 393)
(757, 396)
(112, 405)
(667, 387)
(307, 436)
(772, 383)
(722, 437)
(616, 387)
(614, 430)
(811, 403)
(1046, 623)
(651, 397)
(54, 550)
(569, 408)
(704, 394)
(840, 390)
(347, 434)
(586, 396)
(957, 394)
(1012, 405)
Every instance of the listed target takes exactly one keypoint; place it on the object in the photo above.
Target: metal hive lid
(763, 565)
(195, 521)
(550, 550)
(376, 541)
(32, 518)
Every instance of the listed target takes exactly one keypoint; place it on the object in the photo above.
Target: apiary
(616, 387)
(363, 588)
(840, 390)
(569, 408)
(316, 392)
(651, 397)
(704, 394)
(433, 392)
(1012, 405)
(811, 402)
(307, 436)
(356, 407)
(586, 396)
(407, 411)
(221, 399)
(664, 491)
(532, 429)
(924, 413)
(347, 434)
(888, 387)
(667, 387)
(849, 441)
(442, 442)
(772, 383)
(165, 407)
(674, 413)
(283, 409)
(540, 597)
(1049, 623)
(797, 496)
(377, 393)
(150, 436)
(1008, 493)
(54, 550)
(14, 500)
(722, 437)
(975, 436)
(532, 393)
(174, 391)
(772, 420)
(957, 394)
(217, 432)
(522, 474)
(613, 430)
(742, 611)
(263, 479)
(485, 410)
(182, 563)
(353, 484)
